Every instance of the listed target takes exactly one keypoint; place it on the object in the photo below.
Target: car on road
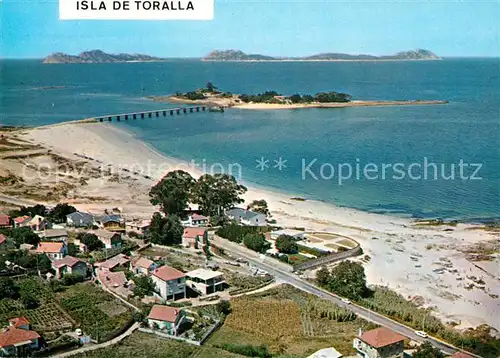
(346, 301)
(421, 334)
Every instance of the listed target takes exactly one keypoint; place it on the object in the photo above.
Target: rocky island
(237, 55)
(210, 95)
(98, 56)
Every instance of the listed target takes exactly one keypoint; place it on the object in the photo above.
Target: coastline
(231, 103)
(388, 241)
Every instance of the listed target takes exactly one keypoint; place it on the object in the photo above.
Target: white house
(69, 265)
(110, 239)
(205, 281)
(142, 266)
(170, 282)
(326, 353)
(246, 217)
(195, 220)
(166, 318)
(54, 250)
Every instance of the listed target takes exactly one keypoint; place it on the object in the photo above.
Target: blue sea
(464, 131)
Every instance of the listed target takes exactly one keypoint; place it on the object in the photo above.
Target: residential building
(4, 220)
(246, 217)
(170, 282)
(26, 247)
(295, 234)
(143, 266)
(36, 223)
(461, 355)
(54, 250)
(80, 219)
(115, 262)
(326, 353)
(141, 227)
(195, 220)
(21, 220)
(54, 235)
(109, 239)
(112, 222)
(69, 265)
(379, 343)
(166, 318)
(3, 239)
(205, 281)
(18, 340)
(191, 235)
(116, 282)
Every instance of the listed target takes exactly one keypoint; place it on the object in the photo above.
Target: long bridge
(154, 113)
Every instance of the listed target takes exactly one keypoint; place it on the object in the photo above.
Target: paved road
(274, 267)
(16, 201)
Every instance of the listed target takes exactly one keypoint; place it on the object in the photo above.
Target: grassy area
(48, 316)
(98, 313)
(243, 283)
(297, 258)
(347, 243)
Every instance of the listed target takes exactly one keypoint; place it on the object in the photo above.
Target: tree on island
(256, 242)
(286, 244)
(217, 193)
(172, 192)
(259, 206)
(295, 98)
(210, 87)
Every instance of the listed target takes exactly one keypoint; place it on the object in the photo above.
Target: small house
(326, 353)
(36, 223)
(142, 266)
(380, 342)
(205, 281)
(112, 222)
(69, 265)
(140, 227)
(246, 217)
(116, 282)
(196, 220)
(18, 340)
(21, 220)
(193, 234)
(170, 282)
(54, 250)
(80, 219)
(294, 234)
(166, 318)
(54, 235)
(109, 239)
(115, 262)
(4, 221)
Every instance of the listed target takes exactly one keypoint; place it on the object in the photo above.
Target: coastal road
(16, 201)
(283, 272)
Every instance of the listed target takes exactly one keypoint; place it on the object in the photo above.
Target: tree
(24, 235)
(259, 206)
(70, 279)
(295, 98)
(256, 242)
(143, 286)
(172, 192)
(156, 227)
(29, 291)
(286, 244)
(224, 307)
(166, 230)
(37, 209)
(348, 279)
(8, 288)
(206, 246)
(73, 250)
(323, 277)
(426, 350)
(91, 241)
(307, 98)
(58, 214)
(217, 193)
(211, 87)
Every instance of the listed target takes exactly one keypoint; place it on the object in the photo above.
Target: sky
(32, 29)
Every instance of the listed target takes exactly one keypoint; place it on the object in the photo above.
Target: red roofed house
(2, 239)
(54, 250)
(170, 282)
(142, 266)
(4, 220)
(116, 281)
(17, 340)
(20, 220)
(69, 265)
(166, 318)
(191, 234)
(113, 263)
(379, 343)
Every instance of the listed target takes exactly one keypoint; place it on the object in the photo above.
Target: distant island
(210, 95)
(98, 56)
(237, 55)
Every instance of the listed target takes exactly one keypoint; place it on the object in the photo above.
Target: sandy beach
(403, 256)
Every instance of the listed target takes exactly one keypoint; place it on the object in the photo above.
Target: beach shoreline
(232, 103)
(390, 242)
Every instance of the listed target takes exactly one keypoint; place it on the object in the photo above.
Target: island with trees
(211, 95)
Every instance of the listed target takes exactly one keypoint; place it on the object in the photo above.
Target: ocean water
(464, 131)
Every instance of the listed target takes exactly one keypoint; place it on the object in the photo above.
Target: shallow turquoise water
(465, 129)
